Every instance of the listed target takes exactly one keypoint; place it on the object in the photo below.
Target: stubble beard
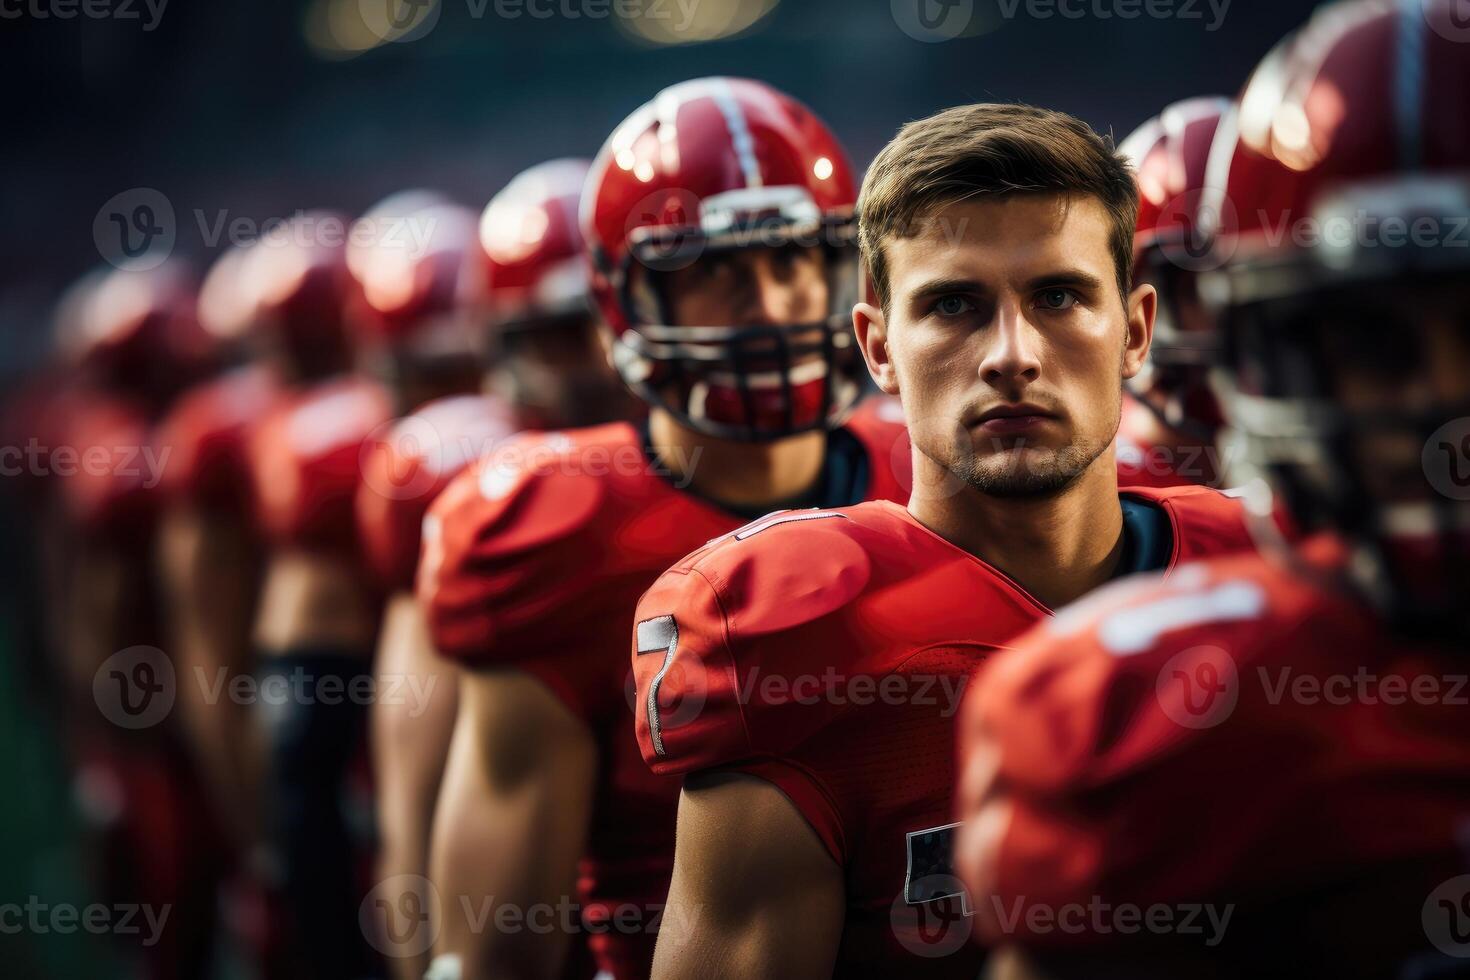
(1023, 473)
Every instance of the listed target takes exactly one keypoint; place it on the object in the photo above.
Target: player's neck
(740, 474)
(1058, 548)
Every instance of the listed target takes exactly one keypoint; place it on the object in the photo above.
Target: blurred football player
(1269, 754)
(132, 343)
(1170, 420)
(802, 673)
(719, 216)
(316, 620)
(209, 550)
(209, 558)
(515, 281)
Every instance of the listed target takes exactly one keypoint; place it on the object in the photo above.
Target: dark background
(248, 108)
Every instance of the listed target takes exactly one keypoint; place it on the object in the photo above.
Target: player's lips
(1009, 420)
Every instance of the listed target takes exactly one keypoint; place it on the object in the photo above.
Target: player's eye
(1056, 299)
(953, 305)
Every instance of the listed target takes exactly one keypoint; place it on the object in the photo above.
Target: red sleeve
(108, 469)
(701, 704)
(519, 569)
(207, 437)
(305, 461)
(407, 466)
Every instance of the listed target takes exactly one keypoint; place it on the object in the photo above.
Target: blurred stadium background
(241, 110)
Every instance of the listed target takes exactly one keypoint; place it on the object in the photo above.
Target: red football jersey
(409, 464)
(305, 462)
(535, 558)
(207, 435)
(106, 467)
(1144, 463)
(825, 652)
(1244, 746)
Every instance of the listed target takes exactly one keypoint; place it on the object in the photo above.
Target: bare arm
(411, 727)
(511, 826)
(754, 893)
(210, 570)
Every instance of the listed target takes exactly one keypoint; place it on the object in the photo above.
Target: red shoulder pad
(1095, 754)
(511, 540)
(409, 464)
(305, 462)
(108, 468)
(207, 438)
(1098, 697)
(878, 423)
(753, 603)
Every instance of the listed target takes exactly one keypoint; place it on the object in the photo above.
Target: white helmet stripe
(739, 130)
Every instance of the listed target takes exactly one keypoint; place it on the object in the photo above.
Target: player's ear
(1142, 305)
(871, 328)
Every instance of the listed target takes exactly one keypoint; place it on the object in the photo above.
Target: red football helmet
(296, 283)
(533, 246)
(1357, 125)
(711, 165)
(416, 259)
(1169, 154)
(135, 330)
(226, 311)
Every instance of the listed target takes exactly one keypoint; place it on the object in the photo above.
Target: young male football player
(802, 672)
(1266, 762)
(720, 219)
(545, 368)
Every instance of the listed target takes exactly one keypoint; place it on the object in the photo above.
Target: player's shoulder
(326, 418)
(777, 598)
(464, 426)
(1144, 665)
(409, 460)
(1241, 599)
(782, 536)
(790, 566)
(107, 464)
(233, 398)
(534, 490)
(207, 431)
(527, 535)
(407, 464)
